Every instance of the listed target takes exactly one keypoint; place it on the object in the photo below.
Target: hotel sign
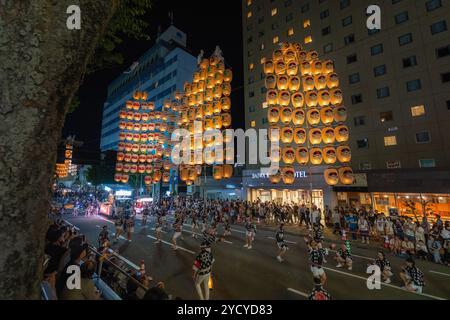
(298, 174)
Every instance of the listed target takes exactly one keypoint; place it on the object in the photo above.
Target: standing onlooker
(202, 272)
(364, 229)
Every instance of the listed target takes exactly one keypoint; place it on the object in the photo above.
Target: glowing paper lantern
(344, 154)
(316, 156)
(331, 176)
(346, 175)
(329, 155)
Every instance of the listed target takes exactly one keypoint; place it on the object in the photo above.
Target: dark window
(445, 77)
(405, 39)
(375, 50)
(443, 52)
(362, 143)
(359, 121)
(357, 98)
(352, 58)
(410, 62)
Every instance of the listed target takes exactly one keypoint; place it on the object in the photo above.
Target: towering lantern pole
(306, 105)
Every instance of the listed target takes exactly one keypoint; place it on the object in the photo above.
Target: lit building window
(390, 141)
(275, 39)
(262, 46)
(418, 111)
(307, 23)
(291, 32)
(265, 105)
(263, 60)
(249, 14)
(253, 124)
(249, 2)
(251, 66)
(274, 11)
(308, 39)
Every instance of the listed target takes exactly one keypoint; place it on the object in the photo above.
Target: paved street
(256, 274)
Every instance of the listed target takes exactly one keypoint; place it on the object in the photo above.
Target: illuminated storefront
(309, 188)
(405, 193)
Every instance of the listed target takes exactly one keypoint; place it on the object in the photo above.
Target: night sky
(206, 25)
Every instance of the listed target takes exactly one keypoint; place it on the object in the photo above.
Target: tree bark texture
(42, 64)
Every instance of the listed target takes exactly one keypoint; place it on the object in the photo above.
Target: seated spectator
(412, 277)
(87, 290)
(422, 250)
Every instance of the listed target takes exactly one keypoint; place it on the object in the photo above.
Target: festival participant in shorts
(129, 226)
(202, 272)
(158, 228)
(250, 233)
(145, 214)
(385, 267)
(194, 224)
(344, 258)
(118, 223)
(316, 258)
(319, 293)
(412, 277)
(176, 234)
(282, 246)
(103, 236)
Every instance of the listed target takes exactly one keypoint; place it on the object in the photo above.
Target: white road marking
(235, 230)
(198, 234)
(124, 259)
(72, 225)
(298, 292)
(154, 229)
(441, 273)
(106, 220)
(170, 244)
(382, 283)
(272, 238)
(355, 255)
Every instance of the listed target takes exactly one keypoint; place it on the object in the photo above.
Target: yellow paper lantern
(294, 83)
(276, 178)
(287, 134)
(302, 155)
(292, 68)
(227, 171)
(286, 114)
(299, 135)
(315, 136)
(284, 98)
(316, 156)
(269, 67)
(218, 172)
(305, 68)
(313, 116)
(341, 133)
(272, 97)
(328, 136)
(336, 97)
(273, 114)
(329, 155)
(340, 114)
(332, 80)
(271, 81)
(298, 100)
(331, 176)
(288, 175)
(280, 67)
(327, 115)
(308, 83)
(324, 98)
(227, 75)
(226, 89)
(344, 154)
(311, 99)
(226, 120)
(346, 175)
(288, 155)
(226, 103)
(328, 67)
(316, 68)
(282, 82)
(278, 55)
(298, 117)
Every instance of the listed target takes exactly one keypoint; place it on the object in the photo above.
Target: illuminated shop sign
(298, 174)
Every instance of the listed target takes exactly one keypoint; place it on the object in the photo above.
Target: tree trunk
(42, 66)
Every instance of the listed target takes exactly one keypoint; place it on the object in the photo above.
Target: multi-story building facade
(396, 85)
(161, 71)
